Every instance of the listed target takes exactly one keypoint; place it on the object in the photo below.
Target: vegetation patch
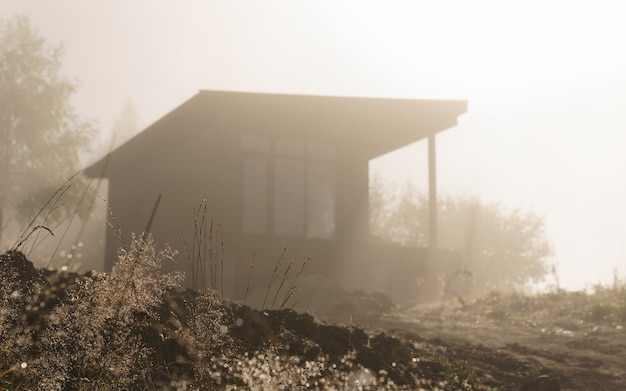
(135, 328)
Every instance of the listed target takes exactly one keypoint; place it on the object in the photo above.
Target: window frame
(272, 150)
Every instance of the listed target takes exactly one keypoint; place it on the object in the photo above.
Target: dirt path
(560, 342)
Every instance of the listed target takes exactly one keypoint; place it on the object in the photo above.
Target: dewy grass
(207, 336)
(95, 339)
(10, 302)
(18, 287)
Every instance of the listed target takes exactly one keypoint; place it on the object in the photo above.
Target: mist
(544, 125)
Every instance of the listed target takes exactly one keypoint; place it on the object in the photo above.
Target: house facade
(275, 171)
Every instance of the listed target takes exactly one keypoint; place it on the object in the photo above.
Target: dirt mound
(552, 342)
(16, 263)
(403, 359)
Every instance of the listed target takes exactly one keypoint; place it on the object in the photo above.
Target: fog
(545, 85)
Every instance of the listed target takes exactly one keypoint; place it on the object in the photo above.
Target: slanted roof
(374, 126)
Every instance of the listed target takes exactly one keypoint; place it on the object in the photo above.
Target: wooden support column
(432, 194)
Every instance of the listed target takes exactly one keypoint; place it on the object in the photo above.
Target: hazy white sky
(545, 82)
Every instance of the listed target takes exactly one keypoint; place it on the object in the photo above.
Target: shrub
(94, 340)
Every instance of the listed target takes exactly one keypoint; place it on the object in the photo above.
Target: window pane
(320, 151)
(321, 201)
(255, 143)
(289, 148)
(254, 196)
(289, 197)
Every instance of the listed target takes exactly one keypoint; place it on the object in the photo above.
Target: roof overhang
(373, 126)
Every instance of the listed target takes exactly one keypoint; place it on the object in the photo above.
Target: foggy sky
(545, 81)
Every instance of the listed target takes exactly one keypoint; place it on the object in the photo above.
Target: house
(278, 170)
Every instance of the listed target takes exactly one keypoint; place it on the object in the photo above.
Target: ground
(549, 342)
(566, 341)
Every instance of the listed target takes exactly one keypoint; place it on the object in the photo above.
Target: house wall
(182, 172)
(194, 153)
(326, 256)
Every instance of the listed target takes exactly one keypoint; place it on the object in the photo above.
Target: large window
(254, 196)
(289, 187)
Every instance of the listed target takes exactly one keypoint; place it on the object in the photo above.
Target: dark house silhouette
(278, 170)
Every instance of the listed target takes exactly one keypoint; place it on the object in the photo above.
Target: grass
(206, 253)
(605, 305)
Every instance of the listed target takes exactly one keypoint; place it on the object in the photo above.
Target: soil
(564, 341)
(551, 342)
(547, 343)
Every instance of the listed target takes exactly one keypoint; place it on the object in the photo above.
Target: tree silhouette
(41, 137)
(503, 249)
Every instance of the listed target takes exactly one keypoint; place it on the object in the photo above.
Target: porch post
(432, 194)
